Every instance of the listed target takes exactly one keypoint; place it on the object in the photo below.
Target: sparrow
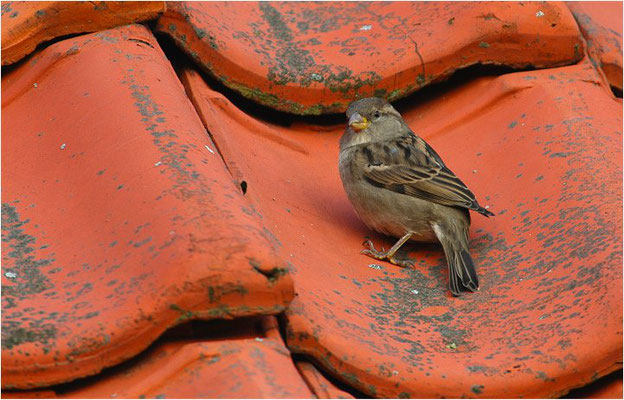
(399, 186)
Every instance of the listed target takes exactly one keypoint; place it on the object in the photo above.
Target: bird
(399, 186)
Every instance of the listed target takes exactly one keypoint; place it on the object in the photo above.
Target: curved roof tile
(601, 24)
(316, 57)
(26, 24)
(548, 162)
(119, 219)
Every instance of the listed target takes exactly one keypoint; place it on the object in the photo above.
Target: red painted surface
(601, 24)
(543, 149)
(26, 24)
(119, 218)
(317, 57)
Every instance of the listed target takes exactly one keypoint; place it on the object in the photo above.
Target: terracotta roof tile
(548, 162)
(128, 209)
(316, 57)
(26, 24)
(320, 385)
(196, 362)
(119, 219)
(601, 24)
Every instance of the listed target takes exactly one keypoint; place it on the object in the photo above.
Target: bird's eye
(377, 115)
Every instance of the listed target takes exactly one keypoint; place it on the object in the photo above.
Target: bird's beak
(357, 122)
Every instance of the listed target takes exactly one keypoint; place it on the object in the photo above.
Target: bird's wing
(408, 165)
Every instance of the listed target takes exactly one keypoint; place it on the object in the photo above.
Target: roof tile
(533, 147)
(26, 24)
(601, 24)
(119, 219)
(316, 57)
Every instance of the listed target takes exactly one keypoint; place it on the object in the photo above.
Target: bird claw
(383, 255)
(402, 263)
(378, 255)
(368, 243)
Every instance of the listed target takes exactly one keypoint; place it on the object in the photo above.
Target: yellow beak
(357, 122)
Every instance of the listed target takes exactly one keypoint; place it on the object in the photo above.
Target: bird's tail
(462, 273)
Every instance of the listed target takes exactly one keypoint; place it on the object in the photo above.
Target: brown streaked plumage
(400, 186)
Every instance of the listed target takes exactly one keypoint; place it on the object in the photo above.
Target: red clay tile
(322, 388)
(601, 24)
(119, 218)
(543, 149)
(255, 366)
(213, 370)
(26, 24)
(252, 364)
(316, 57)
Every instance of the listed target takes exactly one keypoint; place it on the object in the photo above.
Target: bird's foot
(373, 252)
(383, 255)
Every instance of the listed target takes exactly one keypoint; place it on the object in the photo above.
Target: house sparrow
(399, 186)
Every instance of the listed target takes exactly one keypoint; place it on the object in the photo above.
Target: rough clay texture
(315, 58)
(119, 219)
(124, 217)
(543, 150)
(320, 385)
(250, 362)
(26, 24)
(601, 24)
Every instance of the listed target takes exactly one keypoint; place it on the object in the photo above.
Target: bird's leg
(389, 255)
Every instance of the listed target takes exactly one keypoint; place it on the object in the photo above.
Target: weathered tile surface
(320, 385)
(316, 57)
(252, 362)
(543, 149)
(119, 218)
(601, 24)
(26, 24)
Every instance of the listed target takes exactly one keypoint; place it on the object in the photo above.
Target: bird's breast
(383, 210)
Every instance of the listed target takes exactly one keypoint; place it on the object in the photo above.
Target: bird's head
(371, 119)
